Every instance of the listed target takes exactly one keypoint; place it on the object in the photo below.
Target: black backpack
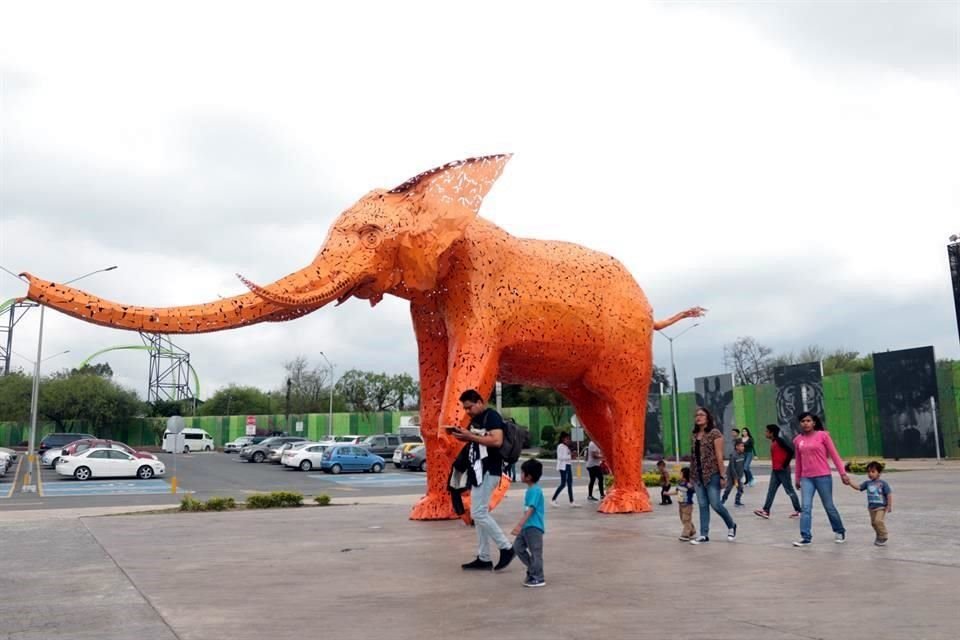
(515, 438)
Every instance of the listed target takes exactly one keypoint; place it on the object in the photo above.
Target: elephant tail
(692, 312)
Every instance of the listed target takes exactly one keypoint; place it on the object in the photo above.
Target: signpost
(299, 426)
(577, 436)
(175, 425)
(251, 425)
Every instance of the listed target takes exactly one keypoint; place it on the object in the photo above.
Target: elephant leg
(432, 345)
(626, 394)
(594, 412)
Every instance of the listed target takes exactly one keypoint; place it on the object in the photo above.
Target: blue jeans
(566, 479)
(487, 528)
(708, 495)
(824, 486)
(748, 458)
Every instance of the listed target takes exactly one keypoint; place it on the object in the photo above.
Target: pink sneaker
(795, 514)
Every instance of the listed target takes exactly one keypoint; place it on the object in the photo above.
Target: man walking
(485, 437)
(781, 453)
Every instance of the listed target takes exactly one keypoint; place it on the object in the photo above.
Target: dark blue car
(350, 458)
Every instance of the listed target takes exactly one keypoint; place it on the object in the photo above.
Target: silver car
(238, 444)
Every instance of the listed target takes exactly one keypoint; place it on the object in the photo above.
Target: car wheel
(335, 469)
(82, 473)
(144, 472)
(186, 449)
(53, 465)
(377, 467)
(398, 465)
(423, 466)
(208, 448)
(258, 456)
(306, 465)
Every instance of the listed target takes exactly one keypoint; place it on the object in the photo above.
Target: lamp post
(330, 414)
(953, 255)
(35, 393)
(673, 369)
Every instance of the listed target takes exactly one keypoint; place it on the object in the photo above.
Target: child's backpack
(515, 438)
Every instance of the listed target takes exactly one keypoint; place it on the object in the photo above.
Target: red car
(77, 446)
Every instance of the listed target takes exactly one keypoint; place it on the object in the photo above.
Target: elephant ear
(441, 202)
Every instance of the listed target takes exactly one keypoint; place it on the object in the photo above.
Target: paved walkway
(360, 571)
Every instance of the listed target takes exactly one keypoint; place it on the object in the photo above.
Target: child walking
(664, 483)
(879, 500)
(735, 473)
(685, 493)
(529, 531)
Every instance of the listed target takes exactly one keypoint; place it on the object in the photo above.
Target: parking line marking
(16, 475)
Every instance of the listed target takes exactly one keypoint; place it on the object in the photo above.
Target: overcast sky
(792, 166)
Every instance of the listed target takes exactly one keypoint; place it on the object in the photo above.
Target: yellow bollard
(578, 470)
(173, 484)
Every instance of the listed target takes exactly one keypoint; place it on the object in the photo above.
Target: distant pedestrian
(595, 470)
(814, 447)
(664, 483)
(708, 475)
(735, 474)
(565, 467)
(748, 449)
(781, 453)
(685, 493)
(879, 500)
(529, 531)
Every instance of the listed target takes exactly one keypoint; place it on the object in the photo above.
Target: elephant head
(390, 241)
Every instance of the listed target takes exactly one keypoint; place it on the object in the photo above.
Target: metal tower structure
(13, 312)
(169, 376)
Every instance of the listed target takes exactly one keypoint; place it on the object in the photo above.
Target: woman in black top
(747, 440)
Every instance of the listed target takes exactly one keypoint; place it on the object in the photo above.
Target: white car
(236, 445)
(10, 453)
(108, 463)
(50, 456)
(306, 457)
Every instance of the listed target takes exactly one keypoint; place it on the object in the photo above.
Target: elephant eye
(370, 237)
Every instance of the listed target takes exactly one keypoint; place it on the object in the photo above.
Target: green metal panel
(838, 410)
(948, 384)
(871, 412)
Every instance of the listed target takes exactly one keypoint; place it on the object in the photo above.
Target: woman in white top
(565, 467)
(595, 469)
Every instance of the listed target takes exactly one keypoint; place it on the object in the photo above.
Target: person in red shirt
(781, 453)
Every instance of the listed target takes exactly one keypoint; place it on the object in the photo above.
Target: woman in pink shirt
(813, 448)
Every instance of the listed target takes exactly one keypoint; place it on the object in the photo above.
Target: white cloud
(724, 160)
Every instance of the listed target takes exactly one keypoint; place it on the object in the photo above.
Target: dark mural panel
(653, 442)
(715, 393)
(906, 381)
(799, 389)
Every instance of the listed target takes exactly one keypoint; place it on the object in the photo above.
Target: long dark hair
(817, 422)
(747, 431)
(711, 425)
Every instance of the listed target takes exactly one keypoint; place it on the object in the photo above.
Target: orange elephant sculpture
(485, 305)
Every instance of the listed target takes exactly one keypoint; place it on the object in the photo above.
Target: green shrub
(287, 499)
(220, 504)
(860, 466)
(650, 479)
(548, 436)
(260, 501)
(189, 503)
(322, 500)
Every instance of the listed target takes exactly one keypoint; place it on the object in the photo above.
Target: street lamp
(35, 393)
(673, 369)
(953, 256)
(330, 414)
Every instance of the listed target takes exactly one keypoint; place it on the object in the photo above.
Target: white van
(190, 439)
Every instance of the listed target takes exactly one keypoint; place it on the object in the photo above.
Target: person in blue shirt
(879, 500)
(529, 531)
(685, 493)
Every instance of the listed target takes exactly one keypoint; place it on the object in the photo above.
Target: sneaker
(795, 514)
(530, 582)
(881, 542)
(554, 503)
(484, 565)
(762, 514)
(752, 482)
(700, 540)
(732, 533)
(802, 543)
(839, 538)
(739, 504)
(506, 557)
(684, 538)
(592, 499)
(574, 505)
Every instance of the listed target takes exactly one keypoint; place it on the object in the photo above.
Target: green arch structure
(143, 347)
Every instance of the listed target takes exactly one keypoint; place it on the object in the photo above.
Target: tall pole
(936, 430)
(330, 414)
(953, 256)
(676, 416)
(35, 393)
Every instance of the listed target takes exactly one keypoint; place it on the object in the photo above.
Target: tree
(661, 380)
(101, 369)
(235, 400)
(94, 399)
(15, 392)
(167, 408)
(751, 361)
(841, 361)
(367, 392)
(309, 386)
(407, 390)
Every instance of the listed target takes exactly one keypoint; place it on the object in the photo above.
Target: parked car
(406, 447)
(60, 440)
(50, 456)
(10, 452)
(5, 462)
(350, 458)
(385, 443)
(190, 439)
(276, 454)
(259, 452)
(415, 460)
(108, 463)
(305, 458)
(238, 444)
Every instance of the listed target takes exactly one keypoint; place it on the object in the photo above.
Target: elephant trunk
(263, 304)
